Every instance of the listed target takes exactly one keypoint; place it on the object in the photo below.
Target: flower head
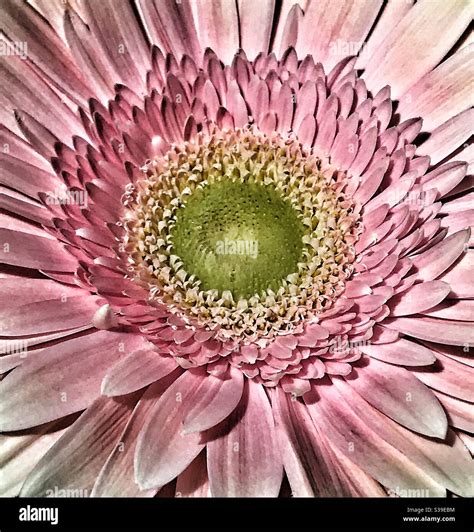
(239, 246)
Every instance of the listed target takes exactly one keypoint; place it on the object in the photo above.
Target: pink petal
(62, 379)
(400, 396)
(336, 22)
(453, 309)
(308, 463)
(460, 276)
(163, 451)
(434, 330)
(255, 26)
(136, 370)
(459, 412)
(217, 399)
(448, 376)
(418, 298)
(171, 26)
(32, 251)
(393, 59)
(193, 481)
(218, 28)
(394, 456)
(19, 453)
(46, 316)
(244, 461)
(75, 460)
(447, 137)
(401, 352)
(117, 476)
(442, 93)
(433, 262)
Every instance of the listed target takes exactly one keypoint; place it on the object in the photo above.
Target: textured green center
(241, 237)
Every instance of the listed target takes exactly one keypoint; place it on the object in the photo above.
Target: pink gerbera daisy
(235, 245)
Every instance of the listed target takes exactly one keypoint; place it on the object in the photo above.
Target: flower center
(241, 232)
(241, 237)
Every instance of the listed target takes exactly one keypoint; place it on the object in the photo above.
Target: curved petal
(394, 61)
(216, 400)
(60, 380)
(401, 396)
(401, 352)
(312, 468)
(75, 460)
(117, 476)
(136, 370)
(418, 298)
(163, 451)
(244, 461)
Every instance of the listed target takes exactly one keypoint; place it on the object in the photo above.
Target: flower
(236, 248)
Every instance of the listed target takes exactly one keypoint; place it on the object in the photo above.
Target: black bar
(191, 514)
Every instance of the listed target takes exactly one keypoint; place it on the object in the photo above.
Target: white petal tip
(104, 318)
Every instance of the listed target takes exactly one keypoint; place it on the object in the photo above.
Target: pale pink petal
(75, 460)
(447, 137)
(311, 467)
(62, 379)
(395, 61)
(255, 26)
(401, 396)
(337, 23)
(244, 461)
(218, 27)
(449, 376)
(136, 370)
(450, 332)
(433, 262)
(217, 399)
(163, 451)
(442, 93)
(117, 476)
(19, 453)
(193, 481)
(171, 26)
(460, 276)
(418, 298)
(47, 316)
(401, 352)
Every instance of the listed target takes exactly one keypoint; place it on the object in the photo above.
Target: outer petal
(443, 92)
(163, 451)
(399, 395)
(391, 454)
(33, 251)
(136, 370)
(193, 481)
(75, 460)
(394, 61)
(218, 27)
(216, 400)
(117, 476)
(245, 460)
(256, 20)
(337, 24)
(311, 467)
(60, 380)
